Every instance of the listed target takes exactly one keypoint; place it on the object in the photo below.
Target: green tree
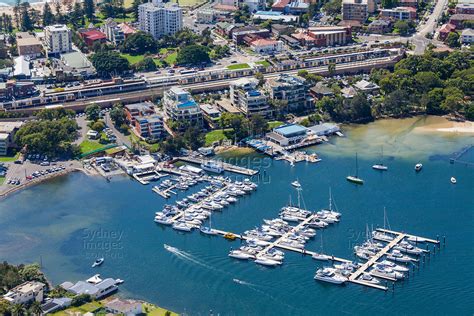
(453, 97)
(5, 307)
(193, 138)
(470, 111)
(109, 63)
(192, 55)
(453, 40)
(388, 4)
(35, 309)
(54, 114)
(18, 310)
(117, 115)
(140, 43)
(433, 101)
(26, 22)
(331, 68)
(98, 126)
(258, 124)
(261, 79)
(147, 64)
(48, 16)
(92, 112)
(89, 9)
(402, 27)
(332, 7)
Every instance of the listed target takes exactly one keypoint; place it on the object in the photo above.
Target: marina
(226, 166)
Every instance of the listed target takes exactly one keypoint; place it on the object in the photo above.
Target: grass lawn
(150, 309)
(127, 3)
(215, 136)
(238, 66)
(133, 59)
(89, 307)
(9, 158)
(274, 124)
(188, 3)
(151, 147)
(90, 145)
(171, 58)
(2, 179)
(263, 63)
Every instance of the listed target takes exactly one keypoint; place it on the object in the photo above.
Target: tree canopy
(140, 43)
(109, 63)
(193, 55)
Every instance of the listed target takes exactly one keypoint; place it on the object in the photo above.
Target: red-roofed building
(127, 29)
(445, 30)
(266, 46)
(93, 36)
(226, 7)
(280, 5)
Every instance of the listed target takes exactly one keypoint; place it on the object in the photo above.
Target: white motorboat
(453, 180)
(329, 275)
(289, 218)
(396, 255)
(182, 226)
(98, 262)
(238, 254)
(212, 166)
(366, 277)
(394, 266)
(296, 184)
(273, 256)
(208, 231)
(383, 271)
(380, 167)
(258, 242)
(267, 262)
(320, 257)
(364, 254)
(418, 167)
(291, 243)
(94, 279)
(408, 248)
(163, 220)
(416, 239)
(381, 236)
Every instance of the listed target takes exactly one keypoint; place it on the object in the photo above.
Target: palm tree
(18, 310)
(35, 309)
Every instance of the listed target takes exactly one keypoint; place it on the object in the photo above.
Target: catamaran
(380, 166)
(355, 179)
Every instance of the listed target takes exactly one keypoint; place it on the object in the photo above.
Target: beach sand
(443, 125)
(8, 10)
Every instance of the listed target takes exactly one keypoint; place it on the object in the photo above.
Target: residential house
(465, 8)
(467, 36)
(408, 3)
(282, 29)
(445, 29)
(28, 45)
(97, 290)
(113, 32)
(149, 127)
(181, 108)
(55, 304)
(211, 114)
(293, 89)
(380, 26)
(134, 110)
(266, 46)
(93, 36)
(321, 90)
(27, 292)
(245, 95)
(459, 19)
(124, 307)
(399, 13)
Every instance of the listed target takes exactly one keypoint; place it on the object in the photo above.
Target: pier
(227, 166)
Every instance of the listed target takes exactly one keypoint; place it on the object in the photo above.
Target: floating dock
(227, 166)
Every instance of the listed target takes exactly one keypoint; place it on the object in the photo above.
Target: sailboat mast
(357, 167)
(330, 199)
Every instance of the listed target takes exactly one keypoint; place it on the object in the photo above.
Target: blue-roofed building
(245, 95)
(287, 135)
(180, 107)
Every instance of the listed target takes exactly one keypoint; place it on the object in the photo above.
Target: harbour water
(68, 222)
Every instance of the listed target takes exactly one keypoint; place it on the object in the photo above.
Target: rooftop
(122, 305)
(467, 32)
(462, 17)
(263, 42)
(94, 35)
(290, 129)
(209, 109)
(57, 27)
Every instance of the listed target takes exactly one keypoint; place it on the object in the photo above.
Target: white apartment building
(57, 39)
(245, 96)
(25, 293)
(180, 107)
(159, 19)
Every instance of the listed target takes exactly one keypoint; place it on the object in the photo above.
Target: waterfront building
(399, 13)
(159, 19)
(28, 45)
(293, 89)
(119, 306)
(324, 129)
(181, 108)
(96, 291)
(58, 39)
(134, 110)
(288, 135)
(55, 304)
(357, 10)
(211, 114)
(113, 32)
(366, 87)
(25, 293)
(149, 127)
(7, 135)
(245, 96)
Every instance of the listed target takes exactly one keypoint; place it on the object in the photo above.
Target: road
(121, 138)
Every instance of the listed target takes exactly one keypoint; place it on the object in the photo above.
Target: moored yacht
(329, 275)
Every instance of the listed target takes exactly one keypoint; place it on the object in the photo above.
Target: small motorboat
(296, 184)
(380, 167)
(230, 236)
(238, 254)
(396, 255)
(119, 281)
(267, 262)
(453, 180)
(98, 262)
(208, 230)
(366, 277)
(418, 167)
(329, 275)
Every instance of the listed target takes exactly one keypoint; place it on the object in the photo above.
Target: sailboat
(380, 166)
(320, 255)
(355, 179)
(381, 235)
(208, 230)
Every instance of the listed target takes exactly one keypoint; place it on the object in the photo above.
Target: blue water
(68, 222)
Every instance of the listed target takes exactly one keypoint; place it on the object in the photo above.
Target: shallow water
(68, 222)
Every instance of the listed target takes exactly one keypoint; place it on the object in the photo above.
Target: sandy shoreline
(8, 9)
(445, 126)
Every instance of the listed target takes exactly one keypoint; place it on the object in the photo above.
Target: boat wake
(243, 282)
(189, 257)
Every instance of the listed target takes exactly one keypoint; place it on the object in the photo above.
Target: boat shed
(288, 134)
(325, 129)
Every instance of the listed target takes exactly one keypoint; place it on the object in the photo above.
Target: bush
(98, 126)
